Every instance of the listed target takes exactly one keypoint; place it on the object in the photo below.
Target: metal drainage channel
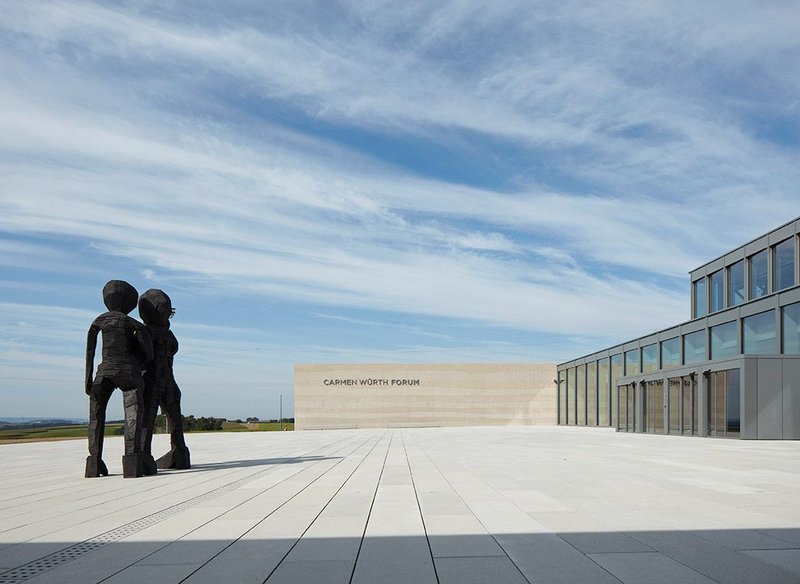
(73, 552)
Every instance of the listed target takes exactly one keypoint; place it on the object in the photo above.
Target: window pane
(758, 275)
(671, 352)
(616, 373)
(604, 395)
(759, 334)
(723, 340)
(784, 264)
(650, 358)
(581, 403)
(694, 347)
(700, 298)
(791, 329)
(732, 401)
(572, 395)
(562, 398)
(591, 394)
(717, 297)
(674, 385)
(632, 362)
(736, 294)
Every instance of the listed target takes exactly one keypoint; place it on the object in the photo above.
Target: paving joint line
(419, 508)
(371, 505)
(73, 552)
(374, 446)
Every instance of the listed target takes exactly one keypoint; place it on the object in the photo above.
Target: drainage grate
(36, 567)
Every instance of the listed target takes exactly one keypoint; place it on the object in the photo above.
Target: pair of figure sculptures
(136, 358)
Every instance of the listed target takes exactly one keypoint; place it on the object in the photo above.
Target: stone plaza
(505, 504)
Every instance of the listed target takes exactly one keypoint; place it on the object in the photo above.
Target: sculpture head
(120, 296)
(155, 307)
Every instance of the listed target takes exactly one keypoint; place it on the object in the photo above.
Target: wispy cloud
(553, 169)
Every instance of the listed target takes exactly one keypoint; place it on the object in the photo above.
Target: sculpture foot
(133, 465)
(177, 458)
(95, 467)
(149, 465)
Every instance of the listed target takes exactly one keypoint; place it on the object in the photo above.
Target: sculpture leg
(98, 401)
(178, 455)
(151, 397)
(133, 460)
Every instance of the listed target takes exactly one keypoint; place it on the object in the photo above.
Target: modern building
(733, 370)
(381, 395)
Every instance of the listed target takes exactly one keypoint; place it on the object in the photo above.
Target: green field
(259, 427)
(81, 431)
(51, 432)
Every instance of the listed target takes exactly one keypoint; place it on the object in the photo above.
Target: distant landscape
(15, 430)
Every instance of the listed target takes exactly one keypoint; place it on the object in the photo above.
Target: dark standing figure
(155, 309)
(126, 347)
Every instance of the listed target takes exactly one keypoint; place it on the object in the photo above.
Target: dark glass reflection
(736, 287)
(784, 264)
(717, 297)
(759, 281)
(724, 342)
(759, 333)
(791, 329)
(700, 298)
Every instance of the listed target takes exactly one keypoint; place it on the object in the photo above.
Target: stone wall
(396, 395)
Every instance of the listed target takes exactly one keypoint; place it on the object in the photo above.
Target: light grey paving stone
(604, 543)
(459, 536)
(326, 548)
(545, 559)
(394, 560)
(494, 570)
(313, 572)
(712, 560)
(744, 539)
(790, 535)
(648, 568)
(245, 562)
(788, 560)
(161, 574)
(100, 564)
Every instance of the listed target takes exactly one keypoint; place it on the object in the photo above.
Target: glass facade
(724, 404)
(694, 347)
(571, 397)
(791, 329)
(784, 264)
(671, 352)
(632, 362)
(699, 289)
(674, 398)
(716, 292)
(759, 333)
(603, 392)
(616, 373)
(650, 358)
(591, 393)
(654, 405)
(724, 340)
(759, 275)
(580, 401)
(737, 293)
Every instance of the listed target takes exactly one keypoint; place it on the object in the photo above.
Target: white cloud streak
(238, 200)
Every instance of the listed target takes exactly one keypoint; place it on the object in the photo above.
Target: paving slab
(438, 505)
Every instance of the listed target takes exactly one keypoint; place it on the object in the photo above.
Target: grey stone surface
(648, 568)
(494, 504)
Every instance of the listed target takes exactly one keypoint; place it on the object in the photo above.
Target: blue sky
(377, 181)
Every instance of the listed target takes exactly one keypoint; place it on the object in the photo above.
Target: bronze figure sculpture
(126, 348)
(155, 310)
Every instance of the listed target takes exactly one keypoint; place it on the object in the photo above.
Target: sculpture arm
(145, 343)
(91, 346)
